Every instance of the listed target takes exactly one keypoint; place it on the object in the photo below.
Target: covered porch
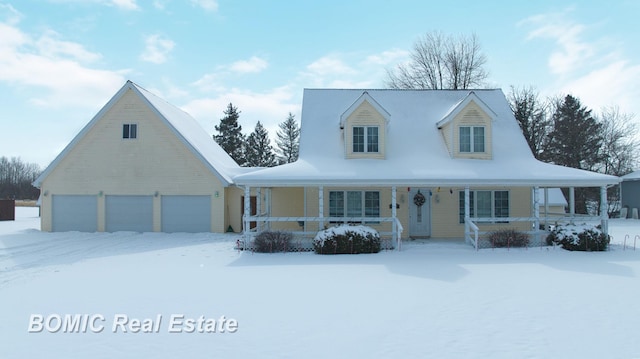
(397, 211)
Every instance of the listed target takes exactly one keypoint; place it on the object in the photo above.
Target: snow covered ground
(435, 299)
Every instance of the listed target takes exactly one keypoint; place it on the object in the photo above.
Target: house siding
(365, 115)
(472, 115)
(103, 163)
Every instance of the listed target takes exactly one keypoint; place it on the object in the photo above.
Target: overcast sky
(62, 60)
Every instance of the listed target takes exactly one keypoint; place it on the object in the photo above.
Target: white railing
(399, 230)
(475, 229)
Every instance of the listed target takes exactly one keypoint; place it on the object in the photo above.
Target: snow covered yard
(434, 299)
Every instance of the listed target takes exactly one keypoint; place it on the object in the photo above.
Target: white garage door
(186, 214)
(74, 213)
(129, 213)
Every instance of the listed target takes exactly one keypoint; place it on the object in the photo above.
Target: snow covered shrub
(346, 239)
(508, 237)
(272, 241)
(579, 237)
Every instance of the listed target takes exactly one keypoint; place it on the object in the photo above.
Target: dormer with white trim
(364, 128)
(467, 129)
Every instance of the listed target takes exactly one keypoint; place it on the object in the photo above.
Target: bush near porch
(272, 241)
(346, 239)
(582, 237)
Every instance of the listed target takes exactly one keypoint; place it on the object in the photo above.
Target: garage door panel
(186, 214)
(74, 213)
(129, 213)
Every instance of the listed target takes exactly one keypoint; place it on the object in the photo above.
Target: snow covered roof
(633, 176)
(416, 153)
(186, 128)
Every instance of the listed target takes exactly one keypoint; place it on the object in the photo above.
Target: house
(140, 164)
(410, 163)
(630, 194)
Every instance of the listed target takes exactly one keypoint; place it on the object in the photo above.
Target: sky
(61, 61)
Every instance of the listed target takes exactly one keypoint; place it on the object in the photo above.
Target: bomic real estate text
(123, 323)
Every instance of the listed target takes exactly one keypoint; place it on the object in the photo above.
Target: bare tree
(532, 116)
(441, 62)
(620, 142)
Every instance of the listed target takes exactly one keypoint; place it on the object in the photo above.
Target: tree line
(16, 178)
(255, 149)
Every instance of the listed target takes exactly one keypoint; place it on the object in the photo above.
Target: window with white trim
(485, 204)
(365, 139)
(354, 204)
(472, 139)
(130, 131)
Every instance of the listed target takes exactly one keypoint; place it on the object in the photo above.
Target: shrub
(347, 239)
(272, 241)
(508, 237)
(579, 238)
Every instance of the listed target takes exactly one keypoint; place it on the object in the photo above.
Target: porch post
(394, 227)
(536, 212)
(546, 206)
(247, 210)
(321, 207)
(258, 208)
(467, 216)
(572, 203)
(604, 216)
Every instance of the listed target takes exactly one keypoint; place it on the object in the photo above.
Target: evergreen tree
(576, 138)
(230, 136)
(258, 149)
(288, 140)
(575, 141)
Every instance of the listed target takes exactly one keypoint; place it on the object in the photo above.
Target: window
(354, 204)
(129, 130)
(485, 204)
(471, 139)
(365, 139)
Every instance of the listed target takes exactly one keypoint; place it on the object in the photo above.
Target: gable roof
(455, 109)
(364, 97)
(416, 153)
(185, 127)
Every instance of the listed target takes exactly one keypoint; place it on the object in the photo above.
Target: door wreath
(419, 199)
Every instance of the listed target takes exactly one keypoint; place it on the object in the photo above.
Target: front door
(419, 212)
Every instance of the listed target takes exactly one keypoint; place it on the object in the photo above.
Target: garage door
(74, 213)
(186, 214)
(129, 213)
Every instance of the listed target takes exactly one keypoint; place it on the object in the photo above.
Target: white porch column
(247, 210)
(604, 216)
(467, 211)
(394, 212)
(536, 212)
(572, 203)
(546, 206)
(258, 208)
(321, 207)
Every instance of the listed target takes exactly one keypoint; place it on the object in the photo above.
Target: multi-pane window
(129, 130)
(472, 139)
(365, 139)
(354, 204)
(485, 204)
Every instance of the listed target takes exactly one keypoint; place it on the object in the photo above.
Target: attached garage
(129, 213)
(74, 213)
(186, 214)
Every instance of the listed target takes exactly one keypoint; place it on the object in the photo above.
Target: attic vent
(471, 115)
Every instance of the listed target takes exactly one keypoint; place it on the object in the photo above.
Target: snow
(435, 298)
(415, 150)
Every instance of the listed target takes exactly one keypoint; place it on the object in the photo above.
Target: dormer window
(365, 139)
(472, 139)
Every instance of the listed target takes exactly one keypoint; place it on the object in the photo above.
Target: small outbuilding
(630, 195)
